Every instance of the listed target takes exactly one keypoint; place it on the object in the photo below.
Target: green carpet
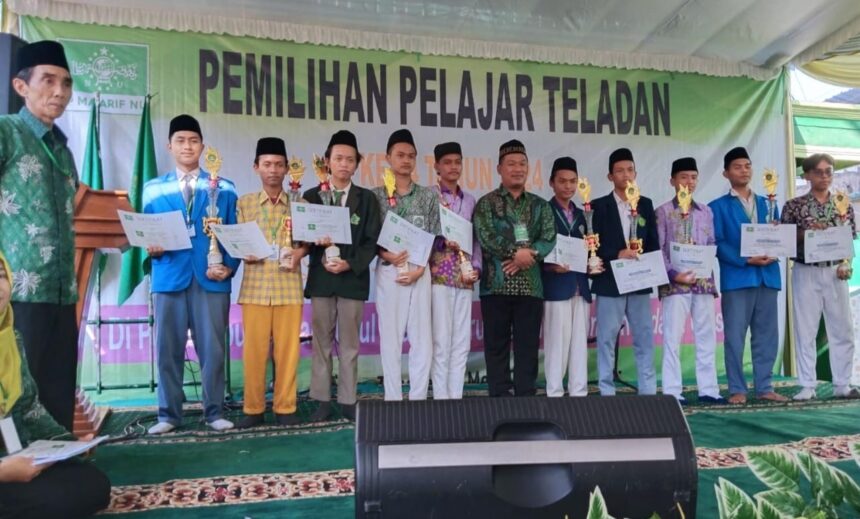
(307, 471)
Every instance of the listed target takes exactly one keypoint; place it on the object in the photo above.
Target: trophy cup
(842, 203)
(632, 192)
(285, 254)
(466, 269)
(592, 239)
(212, 161)
(685, 200)
(770, 181)
(321, 171)
(297, 170)
(388, 181)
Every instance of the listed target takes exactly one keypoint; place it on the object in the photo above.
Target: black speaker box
(525, 457)
(10, 102)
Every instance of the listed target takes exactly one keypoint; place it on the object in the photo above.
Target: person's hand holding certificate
(314, 222)
(243, 240)
(569, 252)
(398, 235)
(161, 230)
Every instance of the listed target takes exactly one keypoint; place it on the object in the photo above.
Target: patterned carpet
(307, 470)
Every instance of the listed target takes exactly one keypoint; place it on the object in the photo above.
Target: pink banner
(129, 343)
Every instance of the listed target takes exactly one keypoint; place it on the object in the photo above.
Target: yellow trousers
(281, 324)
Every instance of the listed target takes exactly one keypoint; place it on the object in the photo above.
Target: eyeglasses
(822, 172)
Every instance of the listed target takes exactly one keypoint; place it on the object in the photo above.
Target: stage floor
(307, 470)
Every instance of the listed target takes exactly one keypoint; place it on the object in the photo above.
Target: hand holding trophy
(842, 202)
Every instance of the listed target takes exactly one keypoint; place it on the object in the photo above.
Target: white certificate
(831, 244)
(456, 228)
(165, 230)
(646, 272)
(312, 222)
(243, 239)
(696, 258)
(398, 235)
(764, 239)
(569, 252)
(51, 451)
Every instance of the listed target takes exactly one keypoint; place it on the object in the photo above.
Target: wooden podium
(97, 227)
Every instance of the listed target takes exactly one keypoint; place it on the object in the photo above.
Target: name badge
(275, 251)
(10, 435)
(192, 231)
(521, 233)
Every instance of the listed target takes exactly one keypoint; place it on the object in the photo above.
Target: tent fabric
(833, 129)
(839, 70)
(751, 38)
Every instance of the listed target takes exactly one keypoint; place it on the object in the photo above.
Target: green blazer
(366, 223)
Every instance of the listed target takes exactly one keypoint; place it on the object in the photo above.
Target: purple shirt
(444, 263)
(670, 229)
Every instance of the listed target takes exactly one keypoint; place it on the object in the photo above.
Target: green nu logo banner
(118, 72)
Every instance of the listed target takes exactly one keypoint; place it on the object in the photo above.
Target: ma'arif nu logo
(102, 70)
(117, 71)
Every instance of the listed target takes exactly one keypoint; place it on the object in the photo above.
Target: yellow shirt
(263, 283)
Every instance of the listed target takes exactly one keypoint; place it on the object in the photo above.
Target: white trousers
(452, 339)
(404, 310)
(565, 346)
(701, 308)
(818, 291)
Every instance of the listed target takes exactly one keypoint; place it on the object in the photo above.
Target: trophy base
(332, 254)
(595, 265)
(214, 259)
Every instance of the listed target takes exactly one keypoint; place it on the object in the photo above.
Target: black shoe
(288, 419)
(712, 399)
(250, 420)
(322, 413)
(348, 411)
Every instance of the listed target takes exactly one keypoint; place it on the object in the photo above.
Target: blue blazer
(173, 270)
(607, 224)
(560, 287)
(735, 272)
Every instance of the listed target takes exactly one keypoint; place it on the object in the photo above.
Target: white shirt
(190, 177)
(623, 214)
(749, 204)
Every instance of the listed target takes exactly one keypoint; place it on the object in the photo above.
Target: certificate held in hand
(632, 275)
(313, 222)
(164, 230)
(698, 259)
(398, 235)
(569, 252)
(831, 244)
(775, 241)
(456, 228)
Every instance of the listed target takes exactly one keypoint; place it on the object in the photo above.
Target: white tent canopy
(751, 38)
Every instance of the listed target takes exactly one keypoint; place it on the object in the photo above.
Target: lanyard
(53, 158)
(828, 210)
(273, 231)
(752, 213)
(567, 226)
(189, 206)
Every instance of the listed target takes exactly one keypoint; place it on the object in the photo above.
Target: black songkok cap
(563, 163)
(512, 146)
(403, 135)
(46, 52)
(619, 155)
(343, 137)
(271, 146)
(447, 148)
(184, 123)
(734, 154)
(684, 164)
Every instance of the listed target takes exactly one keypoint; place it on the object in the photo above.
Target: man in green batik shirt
(38, 181)
(516, 230)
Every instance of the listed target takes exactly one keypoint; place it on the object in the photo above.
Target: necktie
(187, 190)
(338, 194)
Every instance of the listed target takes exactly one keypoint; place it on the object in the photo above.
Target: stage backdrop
(243, 88)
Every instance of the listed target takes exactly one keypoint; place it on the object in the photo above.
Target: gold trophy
(297, 171)
(770, 182)
(212, 161)
(466, 268)
(592, 239)
(321, 171)
(842, 202)
(685, 200)
(285, 254)
(632, 192)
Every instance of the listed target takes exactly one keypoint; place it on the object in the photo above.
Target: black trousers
(68, 490)
(50, 336)
(507, 317)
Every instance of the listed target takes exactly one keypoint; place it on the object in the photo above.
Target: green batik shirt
(420, 207)
(38, 181)
(496, 214)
